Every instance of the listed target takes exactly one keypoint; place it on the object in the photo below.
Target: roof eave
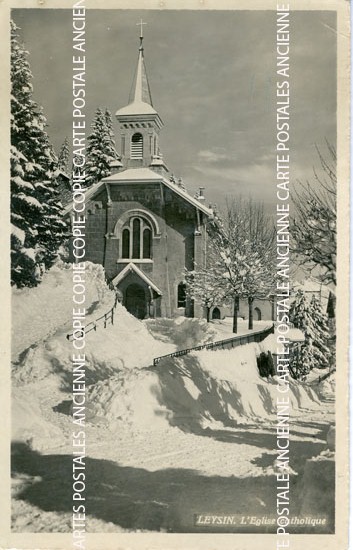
(90, 192)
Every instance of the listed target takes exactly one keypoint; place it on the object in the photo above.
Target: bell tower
(139, 122)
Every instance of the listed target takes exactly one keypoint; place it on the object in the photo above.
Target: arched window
(136, 239)
(137, 146)
(147, 241)
(181, 295)
(126, 243)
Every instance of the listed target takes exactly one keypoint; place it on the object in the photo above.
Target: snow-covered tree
(205, 284)
(322, 352)
(309, 318)
(110, 134)
(300, 315)
(313, 227)
(100, 148)
(243, 251)
(64, 156)
(37, 227)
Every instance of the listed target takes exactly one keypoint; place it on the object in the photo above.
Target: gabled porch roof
(131, 267)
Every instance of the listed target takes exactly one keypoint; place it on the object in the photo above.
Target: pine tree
(64, 156)
(322, 352)
(310, 319)
(37, 228)
(101, 148)
(110, 141)
(300, 315)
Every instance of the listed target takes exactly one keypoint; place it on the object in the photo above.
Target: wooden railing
(228, 343)
(107, 318)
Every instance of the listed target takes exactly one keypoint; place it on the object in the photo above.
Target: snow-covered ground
(223, 328)
(194, 434)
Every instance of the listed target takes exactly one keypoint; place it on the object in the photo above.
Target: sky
(212, 76)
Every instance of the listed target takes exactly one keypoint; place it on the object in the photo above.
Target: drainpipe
(106, 236)
(166, 250)
(151, 302)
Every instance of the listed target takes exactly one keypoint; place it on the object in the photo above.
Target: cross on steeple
(141, 23)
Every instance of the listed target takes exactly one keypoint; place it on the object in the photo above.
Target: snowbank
(190, 392)
(224, 328)
(183, 332)
(194, 391)
(125, 345)
(28, 423)
(326, 388)
(40, 311)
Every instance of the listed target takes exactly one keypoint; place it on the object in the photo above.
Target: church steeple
(140, 89)
(140, 123)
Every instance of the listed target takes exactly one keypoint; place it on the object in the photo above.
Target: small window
(137, 146)
(181, 295)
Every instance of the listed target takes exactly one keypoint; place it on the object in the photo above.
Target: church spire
(139, 122)
(140, 90)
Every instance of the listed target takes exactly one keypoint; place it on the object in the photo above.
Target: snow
(21, 183)
(190, 433)
(40, 311)
(18, 233)
(28, 423)
(32, 201)
(30, 253)
(146, 175)
(200, 388)
(295, 335)
(326, 388)
(136, 108)
(224, 327)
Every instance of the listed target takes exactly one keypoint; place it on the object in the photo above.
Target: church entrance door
(135, 301)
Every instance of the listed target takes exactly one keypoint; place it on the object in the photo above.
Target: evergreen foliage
(100, 148)
(322, 351)
(37, 226)
(310, 319)
(64, 156)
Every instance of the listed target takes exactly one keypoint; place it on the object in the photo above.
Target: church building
(141, 224)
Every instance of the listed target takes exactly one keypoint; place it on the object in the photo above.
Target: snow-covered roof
(134, 174)
(132, 267)
(136, 108)
(141, 175)
(146, 175)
